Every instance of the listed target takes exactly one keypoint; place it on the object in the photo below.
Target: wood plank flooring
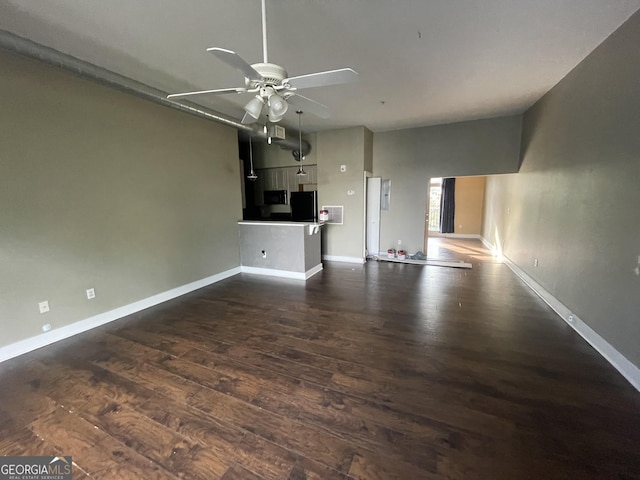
(382, 371)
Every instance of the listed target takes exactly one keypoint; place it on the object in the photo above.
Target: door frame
(427, 218)
(372, 214)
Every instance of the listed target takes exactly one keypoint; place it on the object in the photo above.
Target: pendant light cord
(301, 171)
(299, 112)
(252, 175)
(250, 154)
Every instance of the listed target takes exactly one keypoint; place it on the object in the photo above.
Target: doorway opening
(435, 197)
(372, 207)
(459, 224)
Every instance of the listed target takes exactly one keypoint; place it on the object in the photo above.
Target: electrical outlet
(535, 262)
(44, 306)
(343, 168)
(91, 293)
(399, 242)
(46, 327)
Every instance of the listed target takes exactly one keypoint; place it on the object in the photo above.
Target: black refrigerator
(304, 206)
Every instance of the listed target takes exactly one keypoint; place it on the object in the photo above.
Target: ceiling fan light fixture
(277, 107)
(254, 107)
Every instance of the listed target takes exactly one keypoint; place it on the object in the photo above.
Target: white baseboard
(271, 272)
(312, 271)
(626, 368)
(489, 246)
(338, 258)
(55, 335)
(384, 257)
(456, 235)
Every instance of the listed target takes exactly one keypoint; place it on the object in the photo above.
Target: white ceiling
(421, 62)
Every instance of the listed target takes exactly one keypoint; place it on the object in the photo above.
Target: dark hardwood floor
(381, 371)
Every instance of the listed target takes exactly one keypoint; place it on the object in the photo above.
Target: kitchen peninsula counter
(280, 248)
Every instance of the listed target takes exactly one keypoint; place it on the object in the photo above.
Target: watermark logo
(35, 468)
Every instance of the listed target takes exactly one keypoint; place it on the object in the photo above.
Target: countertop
(278, 223)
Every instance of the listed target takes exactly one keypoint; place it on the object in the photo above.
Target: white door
(373, 216)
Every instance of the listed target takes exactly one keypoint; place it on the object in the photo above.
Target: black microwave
(275, 197)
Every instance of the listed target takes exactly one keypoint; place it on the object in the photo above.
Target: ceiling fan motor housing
(273, 74)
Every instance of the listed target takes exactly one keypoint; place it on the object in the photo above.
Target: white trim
(384, 257)
(443, 263)
(489, 246)
(365, 189)
(312, 271)
(455, 235)
(341, 259)
(626, 368)
(24, 346)
(271, 272)
(269, 223)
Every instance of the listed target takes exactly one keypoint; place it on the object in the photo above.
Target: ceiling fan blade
(215, 90)
(236, 61)
(309, 106)
(321, 79)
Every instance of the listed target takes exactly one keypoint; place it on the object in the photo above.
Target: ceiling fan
(271, 84)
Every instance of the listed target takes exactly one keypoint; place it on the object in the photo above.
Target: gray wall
(410, 157)
(347, 146)
(101, 189)
(574, 204)
(330, 149)
(287, 247)
(368, 150)
(271, 156)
